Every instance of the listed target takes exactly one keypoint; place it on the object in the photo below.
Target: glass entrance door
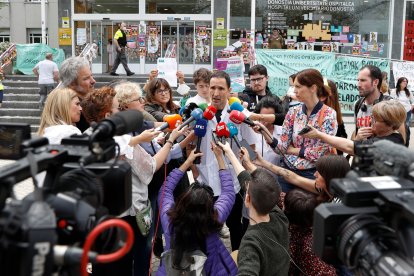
(189, 42)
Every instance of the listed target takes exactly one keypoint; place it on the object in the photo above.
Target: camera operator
(98, 105)
(387, 117)
(61, 111)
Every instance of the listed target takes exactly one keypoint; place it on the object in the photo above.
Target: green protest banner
(28, 55)
(281, 64)
(345, 76)
(343, 70)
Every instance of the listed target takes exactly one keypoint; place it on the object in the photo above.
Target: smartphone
(304, 130)
(215, 138)
(251, 152)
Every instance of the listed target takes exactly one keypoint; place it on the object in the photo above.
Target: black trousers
(121, 58)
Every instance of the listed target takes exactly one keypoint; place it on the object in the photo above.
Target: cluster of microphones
(201, 114)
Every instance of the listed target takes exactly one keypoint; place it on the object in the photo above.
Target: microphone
(119, 124)
(237, 117)
(392, 159)
(186, 110)
(203, 106)
(233, 133)
(196, 114)
(236, 106)
(234, 100)
(171, 122)
(200, 131)
(222, 131)
(210, 112)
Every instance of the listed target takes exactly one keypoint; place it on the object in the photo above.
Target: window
(106, 6)
(178, 6)
(4, 38)
(37, 38)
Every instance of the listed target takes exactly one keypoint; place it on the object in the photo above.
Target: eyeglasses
(161, 92)
(259, 79)
(140, 100)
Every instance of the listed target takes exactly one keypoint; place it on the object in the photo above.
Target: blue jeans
(286, 186)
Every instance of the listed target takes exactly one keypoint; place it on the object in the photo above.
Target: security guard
(120, 43)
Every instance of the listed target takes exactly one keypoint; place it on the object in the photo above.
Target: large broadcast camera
(372, 231)
(84, 188)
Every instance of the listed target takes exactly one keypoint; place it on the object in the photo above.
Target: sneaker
(113, 74)
(130, 74)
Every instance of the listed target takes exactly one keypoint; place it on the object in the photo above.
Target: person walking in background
(47, 73)
(110, 49)
(120, 43)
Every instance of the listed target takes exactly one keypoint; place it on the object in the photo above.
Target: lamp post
(43, 18)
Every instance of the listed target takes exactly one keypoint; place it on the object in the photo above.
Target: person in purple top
(194, 221)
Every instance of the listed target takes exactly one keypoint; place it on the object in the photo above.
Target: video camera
(371, 231)
(84, 185)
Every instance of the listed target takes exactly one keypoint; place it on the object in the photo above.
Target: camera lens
(363, 240)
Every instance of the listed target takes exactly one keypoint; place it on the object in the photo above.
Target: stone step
(21, 97)
(9, 83)
(20, 119)
(20, 104)
(20, 112)
(21, 90)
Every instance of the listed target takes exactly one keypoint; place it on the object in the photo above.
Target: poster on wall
(65, 37)
(80, 36)
(220, 38)
(409, 40)
(201, 32)
(220, 23)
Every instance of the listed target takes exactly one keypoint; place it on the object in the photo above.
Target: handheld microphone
(222, 131)
(171, 122)
(210, 112)
(237, 117)
(200, 131)
(196, 114)
(234, 100)
(236, 106)
(233, 133)
(203, 106)
(119, 124)
(185, 111)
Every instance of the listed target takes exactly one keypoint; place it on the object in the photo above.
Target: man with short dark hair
(47, 73)
(120, 42)
(208, 167)
(257, 90)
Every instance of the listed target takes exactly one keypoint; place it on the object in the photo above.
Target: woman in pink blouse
(302, 153)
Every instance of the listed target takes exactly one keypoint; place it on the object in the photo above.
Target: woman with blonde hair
(387, 117)
(60, 113)
(129, 96)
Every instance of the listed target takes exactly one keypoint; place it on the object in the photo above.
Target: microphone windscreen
(209, 112)
(222, 130)
(233, 100)
(236, 106)
(126, 121)
(232, 129)
(392, 159)
(173, 120)
(200, 128)
(203, 106)
(197, 113)
(237, 117)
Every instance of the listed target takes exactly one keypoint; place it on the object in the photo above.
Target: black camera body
(371, 231)
(84, 184)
